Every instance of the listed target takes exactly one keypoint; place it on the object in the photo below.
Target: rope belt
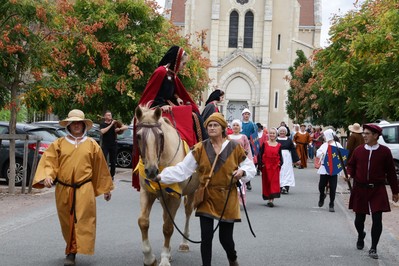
(74, 187)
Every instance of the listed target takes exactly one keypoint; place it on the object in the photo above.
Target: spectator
(110, 129)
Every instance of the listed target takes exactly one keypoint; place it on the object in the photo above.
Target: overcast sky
(329, 7)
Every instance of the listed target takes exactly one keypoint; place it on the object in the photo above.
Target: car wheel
(124, 158)
(19, 172)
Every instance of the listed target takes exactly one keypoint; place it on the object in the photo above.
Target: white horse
(160, 146)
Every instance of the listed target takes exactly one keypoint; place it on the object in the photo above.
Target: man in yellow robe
(77, 166)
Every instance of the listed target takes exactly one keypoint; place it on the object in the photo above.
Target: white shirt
(184, 169)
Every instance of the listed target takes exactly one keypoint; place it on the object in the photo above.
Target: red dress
(271, 171)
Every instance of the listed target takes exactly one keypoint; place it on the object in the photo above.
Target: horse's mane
(147, 107)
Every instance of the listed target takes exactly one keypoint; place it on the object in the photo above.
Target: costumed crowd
(231, 152)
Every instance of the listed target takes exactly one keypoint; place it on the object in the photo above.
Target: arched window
(248, 29)
(233, 30)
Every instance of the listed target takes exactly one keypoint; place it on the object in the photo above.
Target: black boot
(360, 241)
(249, 187)
(331, 207)
(321, 200)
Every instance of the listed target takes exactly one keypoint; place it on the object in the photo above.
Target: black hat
(259, 125)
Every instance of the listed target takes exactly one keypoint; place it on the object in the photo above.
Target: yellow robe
(71, 165)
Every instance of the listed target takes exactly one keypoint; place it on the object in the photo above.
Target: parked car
(48, 134)
(125, 148)
(390, 138)
(94, 132)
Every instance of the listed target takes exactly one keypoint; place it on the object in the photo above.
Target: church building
(252, 43)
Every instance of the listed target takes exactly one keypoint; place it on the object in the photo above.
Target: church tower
(252, 44)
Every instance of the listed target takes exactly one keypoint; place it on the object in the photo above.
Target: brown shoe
(70, 259)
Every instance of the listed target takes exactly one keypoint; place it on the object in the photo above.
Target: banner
(332, 163)
(254, 140)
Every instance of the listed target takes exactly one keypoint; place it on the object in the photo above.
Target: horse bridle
(158, 134)
(159, 137)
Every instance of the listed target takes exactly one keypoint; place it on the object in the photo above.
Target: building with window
(252, 43)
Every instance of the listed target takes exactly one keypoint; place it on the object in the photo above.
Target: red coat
(381, 168)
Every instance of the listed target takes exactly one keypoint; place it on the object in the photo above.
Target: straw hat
(356, 128)
(76, 115)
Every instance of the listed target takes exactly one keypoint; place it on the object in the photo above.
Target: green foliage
(103, 53)
(5, 115)
(357, 73)
(298, 105)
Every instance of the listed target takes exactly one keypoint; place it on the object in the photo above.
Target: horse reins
(160, 141)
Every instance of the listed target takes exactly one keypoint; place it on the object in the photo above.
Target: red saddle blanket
(182, 118)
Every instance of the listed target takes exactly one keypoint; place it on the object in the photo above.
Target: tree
(299, 100)
(107, 53)
(357, 72)
(22, 50)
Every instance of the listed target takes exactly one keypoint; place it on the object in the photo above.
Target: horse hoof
(152, 264)
(184, 248)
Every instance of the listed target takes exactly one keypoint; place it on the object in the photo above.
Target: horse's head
(150, 138)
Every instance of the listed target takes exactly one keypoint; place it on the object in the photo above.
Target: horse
(156, 153)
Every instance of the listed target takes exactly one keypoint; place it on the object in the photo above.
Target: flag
(254, 139)
(332, 163)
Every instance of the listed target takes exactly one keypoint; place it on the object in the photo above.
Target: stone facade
(251, 75)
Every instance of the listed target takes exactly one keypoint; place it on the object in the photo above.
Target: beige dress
(83, 164)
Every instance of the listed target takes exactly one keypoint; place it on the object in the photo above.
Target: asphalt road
(294, 232)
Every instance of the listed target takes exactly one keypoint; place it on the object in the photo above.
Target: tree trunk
(12, 131)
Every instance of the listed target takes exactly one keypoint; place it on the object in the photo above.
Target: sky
(329, 7)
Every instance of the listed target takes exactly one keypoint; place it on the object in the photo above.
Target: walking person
(370, 166)
(355, 138)
(290, 157)
(211, 105)
(244, 142)
(248, 128)
(301, 140)
(317, 139)
(325, 177)
(272, 160)
(76, 164)
(110, 129)
(232, 164)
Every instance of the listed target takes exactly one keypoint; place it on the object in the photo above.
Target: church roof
(307, 13)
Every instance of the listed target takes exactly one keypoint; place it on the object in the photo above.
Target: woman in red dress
(272, 161)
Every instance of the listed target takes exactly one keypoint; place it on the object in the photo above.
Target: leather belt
(368, 185)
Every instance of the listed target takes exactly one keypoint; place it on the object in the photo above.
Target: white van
(390, 138)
